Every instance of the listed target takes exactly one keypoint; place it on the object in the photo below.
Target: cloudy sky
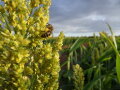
(84, 17)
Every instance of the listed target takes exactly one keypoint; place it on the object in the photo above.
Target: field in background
(96, 56)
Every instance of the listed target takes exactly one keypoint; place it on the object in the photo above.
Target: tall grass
(99, 57)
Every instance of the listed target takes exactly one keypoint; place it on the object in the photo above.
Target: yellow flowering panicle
(25, 61)
(12, 60)
(46, 66)
(58, 44)
(78, 77)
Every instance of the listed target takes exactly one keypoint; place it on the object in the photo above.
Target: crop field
(32, 60)
(97, 59)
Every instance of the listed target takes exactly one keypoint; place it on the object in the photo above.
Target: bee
(49, 32)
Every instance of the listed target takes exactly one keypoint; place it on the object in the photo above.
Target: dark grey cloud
(85, 16)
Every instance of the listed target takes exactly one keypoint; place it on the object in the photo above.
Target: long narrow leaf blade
(118, 66)
(77, 44)
(113, 36)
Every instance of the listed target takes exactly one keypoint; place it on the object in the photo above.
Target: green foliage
(99, 57)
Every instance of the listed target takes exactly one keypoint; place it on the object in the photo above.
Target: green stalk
(100, 82)
(75, 56)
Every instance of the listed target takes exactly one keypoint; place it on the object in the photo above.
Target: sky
(84, 17)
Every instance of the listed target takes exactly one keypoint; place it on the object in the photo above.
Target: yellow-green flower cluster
(25, 61)
(58, 44)
(26, 16)
(40, 16)
(16, 13)
(78, 77)
(13, 57)
(46, 66)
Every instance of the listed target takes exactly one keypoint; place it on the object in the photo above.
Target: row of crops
(90, 63)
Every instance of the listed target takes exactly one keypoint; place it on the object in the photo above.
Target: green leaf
(93, 82)
(114, 46)
(77, 44)
(106, 55)
(118, 66)
(113, 36)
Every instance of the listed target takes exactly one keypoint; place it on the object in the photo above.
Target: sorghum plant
(26, 62)
(78, 77)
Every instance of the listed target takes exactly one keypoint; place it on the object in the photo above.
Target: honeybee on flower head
(48, 32)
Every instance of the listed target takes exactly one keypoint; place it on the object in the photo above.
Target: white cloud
(96, 17)
(85, 16)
